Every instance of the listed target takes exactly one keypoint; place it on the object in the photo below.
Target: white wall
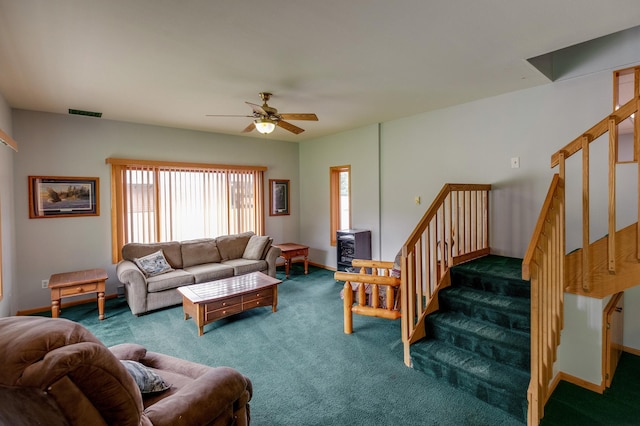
(8, 302)
(63, 145)
(359, 149)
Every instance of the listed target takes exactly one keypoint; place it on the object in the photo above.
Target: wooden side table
(291, 250)
(76, 283)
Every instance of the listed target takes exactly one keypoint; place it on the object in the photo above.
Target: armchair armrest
(215, 391)
(128, 351)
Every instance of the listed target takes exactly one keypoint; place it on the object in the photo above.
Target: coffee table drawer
(261, 294)
(262, 301)
(212, 315)
(224, 303)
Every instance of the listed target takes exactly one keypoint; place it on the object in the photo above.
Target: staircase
(479, 338)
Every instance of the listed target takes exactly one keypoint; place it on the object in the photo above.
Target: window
(160, 201)
(340, 193)
(626, 86)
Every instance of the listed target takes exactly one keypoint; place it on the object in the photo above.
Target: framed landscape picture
(54, 196)
(278, 197)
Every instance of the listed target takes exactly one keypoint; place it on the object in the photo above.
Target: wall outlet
(515, 162)
(45, 283)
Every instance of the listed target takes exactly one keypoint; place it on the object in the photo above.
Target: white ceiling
(352, 62)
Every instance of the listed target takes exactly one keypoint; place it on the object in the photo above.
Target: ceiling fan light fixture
(264, 125)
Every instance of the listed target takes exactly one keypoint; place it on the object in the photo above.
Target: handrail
(538, 230)
(454, 229)
(543, 265)
(596, 131)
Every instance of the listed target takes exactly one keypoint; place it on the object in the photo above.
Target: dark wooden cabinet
(352, 244)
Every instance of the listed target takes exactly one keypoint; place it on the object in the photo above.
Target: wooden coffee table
(76, 283)
(291, 250)
(210, 301)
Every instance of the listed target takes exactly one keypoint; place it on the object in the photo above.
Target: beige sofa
(150, 278)
(56, 372)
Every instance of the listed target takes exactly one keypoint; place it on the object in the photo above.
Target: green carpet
(571, 405)
(304, 369)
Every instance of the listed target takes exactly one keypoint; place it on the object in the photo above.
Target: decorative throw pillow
(153, 264)
(255, 247)
(147, 380)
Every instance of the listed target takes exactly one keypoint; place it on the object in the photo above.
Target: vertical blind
(161, 201)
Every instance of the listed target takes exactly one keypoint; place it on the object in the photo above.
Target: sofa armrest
(135, 285)
(271, 257)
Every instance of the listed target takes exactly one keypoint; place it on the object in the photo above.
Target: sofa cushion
(145, 378)
(153, 264)
(171, 251)
(232, 246)
(169, 280)
(197, 252)
(210, 272)
(246, 266)
(255, 249)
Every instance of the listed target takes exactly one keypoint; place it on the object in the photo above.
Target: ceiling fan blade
(290, 127)
(249, 128)
(298, 116)
(257, 109)
(223, 115)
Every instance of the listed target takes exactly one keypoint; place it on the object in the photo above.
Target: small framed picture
(53, 196)
(278, 197)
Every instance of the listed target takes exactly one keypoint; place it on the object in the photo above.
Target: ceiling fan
(266, 118)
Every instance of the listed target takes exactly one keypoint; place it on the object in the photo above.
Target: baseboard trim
(632, 351)
(580, 382)
(62, 305)
(319, 265)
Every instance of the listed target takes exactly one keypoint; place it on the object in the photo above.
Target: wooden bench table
(69, 284)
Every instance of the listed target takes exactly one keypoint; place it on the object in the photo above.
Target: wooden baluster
(451, 231)
(362, 295)
(585, 215)
(348, 303)
(375, 291)
(613, 156)
(636, 145)
(486, 219)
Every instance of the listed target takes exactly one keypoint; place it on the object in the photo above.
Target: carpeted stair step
(481, 338)
(496, 274)
(500, 385)
(506, 311)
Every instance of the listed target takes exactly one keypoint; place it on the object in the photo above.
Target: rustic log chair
(366, 284)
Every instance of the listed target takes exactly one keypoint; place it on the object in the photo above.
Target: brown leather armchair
(57, 368)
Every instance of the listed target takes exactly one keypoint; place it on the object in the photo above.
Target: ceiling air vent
(87, 113)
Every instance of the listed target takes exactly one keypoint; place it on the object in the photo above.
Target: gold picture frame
(63, 196)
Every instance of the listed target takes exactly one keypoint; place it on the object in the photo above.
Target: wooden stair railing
(582, 143)
(552, 272)
(454, 229)
(543, 265)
